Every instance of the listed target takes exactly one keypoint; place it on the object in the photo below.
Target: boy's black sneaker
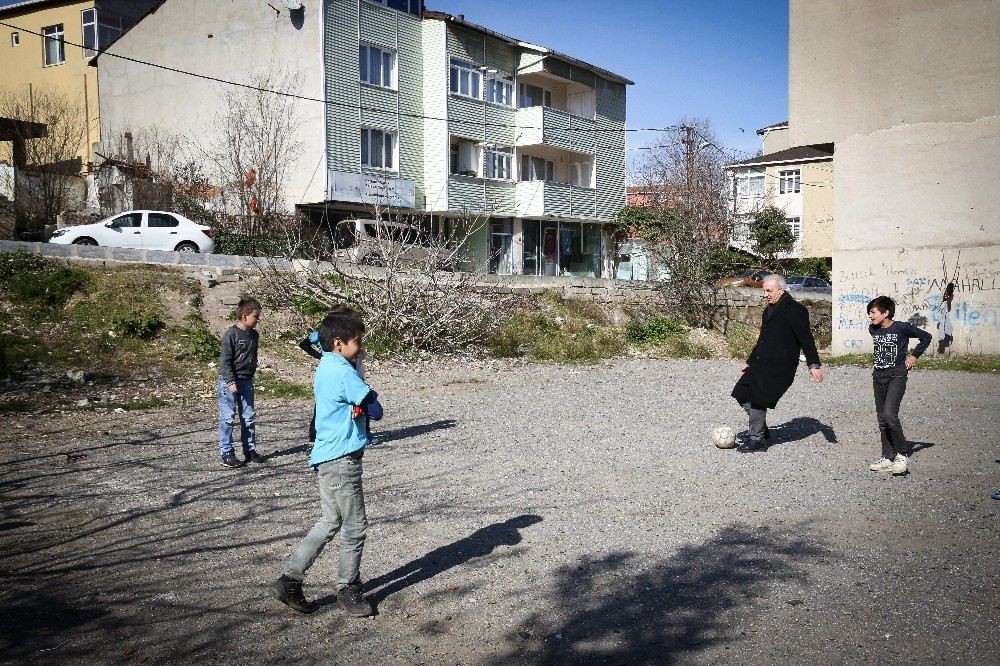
(351, 600)
(254, 457)
(230, 460)
(289, 592)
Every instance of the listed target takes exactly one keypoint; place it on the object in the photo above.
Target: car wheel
(84, 241)
(186, 247)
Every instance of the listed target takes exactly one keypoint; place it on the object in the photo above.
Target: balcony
(535, 198)
(542, 125)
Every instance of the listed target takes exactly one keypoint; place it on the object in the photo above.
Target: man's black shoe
(230, 460)
(753, 445)
(350, 599)
(289, 592)
(254, 457)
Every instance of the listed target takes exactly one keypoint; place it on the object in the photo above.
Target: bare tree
(684, 221)
(397, 271)
(48, 180)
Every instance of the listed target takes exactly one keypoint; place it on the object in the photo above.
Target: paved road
(541, 514)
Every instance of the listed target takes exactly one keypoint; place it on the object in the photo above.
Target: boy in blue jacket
(891, 340)
(342, 402)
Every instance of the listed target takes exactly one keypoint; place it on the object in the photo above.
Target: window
(499, 90)
(54, 48)
(15, 39)
(378, 148)
(99, 29)
(89, 19)
(789, 181)
(497, 162)
(795, 224)
(750, 183)
(536, 168)
(128, 220)
(465, 80)
(529, 95)
(162, 220)
(378, 66)
(465, 157)
(408, 6)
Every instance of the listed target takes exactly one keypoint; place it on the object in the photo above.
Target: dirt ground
(538, 514)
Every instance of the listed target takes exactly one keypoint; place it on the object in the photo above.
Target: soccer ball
(724, 437)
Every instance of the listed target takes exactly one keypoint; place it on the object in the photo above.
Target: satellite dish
(292, 4)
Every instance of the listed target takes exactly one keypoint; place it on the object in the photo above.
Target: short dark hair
(883, 304)
(247, 306)
(340, 325)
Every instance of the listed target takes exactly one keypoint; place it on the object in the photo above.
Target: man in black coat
(770, 368)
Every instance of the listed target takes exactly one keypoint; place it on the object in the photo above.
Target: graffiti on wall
(957, 302)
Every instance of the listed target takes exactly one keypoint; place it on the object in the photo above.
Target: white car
(141, 229)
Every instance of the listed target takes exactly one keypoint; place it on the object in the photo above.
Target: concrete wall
(226, 40)
(908, 94)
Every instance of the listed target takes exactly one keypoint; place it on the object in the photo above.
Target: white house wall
(226, 40)
(908, 94)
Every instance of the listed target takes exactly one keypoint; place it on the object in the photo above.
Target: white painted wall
(224, 39)
(909, 94)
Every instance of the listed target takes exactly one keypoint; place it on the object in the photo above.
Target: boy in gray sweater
(237, 365)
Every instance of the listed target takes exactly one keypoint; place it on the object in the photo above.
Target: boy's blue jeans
(342, 499)
(231, 404)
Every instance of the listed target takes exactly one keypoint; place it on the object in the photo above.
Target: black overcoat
(784, 332)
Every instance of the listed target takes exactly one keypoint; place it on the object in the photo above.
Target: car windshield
(747, 273)
(795, 279)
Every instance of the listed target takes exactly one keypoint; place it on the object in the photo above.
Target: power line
(346, 105)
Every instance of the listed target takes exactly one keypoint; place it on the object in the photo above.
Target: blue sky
(723, 60)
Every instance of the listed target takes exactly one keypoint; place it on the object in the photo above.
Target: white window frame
(86, 23)
(789, 181)
(373, 144)
(386, 69)
(500, 90)
(57, 35)
(750, 184)
(498, 162)
(462, 72)
(795, 224)
(15, 39)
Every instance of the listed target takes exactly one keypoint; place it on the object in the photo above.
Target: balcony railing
(540, 197)
(541, 125)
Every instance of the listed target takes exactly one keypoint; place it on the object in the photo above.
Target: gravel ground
(538, 514)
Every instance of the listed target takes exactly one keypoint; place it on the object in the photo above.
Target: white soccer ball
(724, 437)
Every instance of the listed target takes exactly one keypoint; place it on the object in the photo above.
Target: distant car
(808, 284)
(373, 242)
(141, 229)
(751, 277)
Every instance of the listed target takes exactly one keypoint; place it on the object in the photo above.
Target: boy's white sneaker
(899, 464)
(881, 465)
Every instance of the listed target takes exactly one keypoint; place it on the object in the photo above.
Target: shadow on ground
(665, 613)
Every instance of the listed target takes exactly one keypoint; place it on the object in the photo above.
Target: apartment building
(795, 179)
(46, 46)
(457, 121)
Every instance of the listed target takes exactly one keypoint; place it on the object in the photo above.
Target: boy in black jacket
(890, 340)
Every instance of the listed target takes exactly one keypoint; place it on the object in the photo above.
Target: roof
(818, 153)
(20, 5)
(460, 20)
(764, 130)
(12, 129)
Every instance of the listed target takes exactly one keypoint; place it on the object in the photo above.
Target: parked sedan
(141, 229)
(751, 277)
(808, 284)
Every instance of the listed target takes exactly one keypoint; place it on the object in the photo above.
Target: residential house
(425, 114)
(908, 93)
(795, 179)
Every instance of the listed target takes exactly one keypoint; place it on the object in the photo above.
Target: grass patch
(196, 341)
(990, 363)
(559, 339)
(666, 336)
(740, 339)
(271, 386)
